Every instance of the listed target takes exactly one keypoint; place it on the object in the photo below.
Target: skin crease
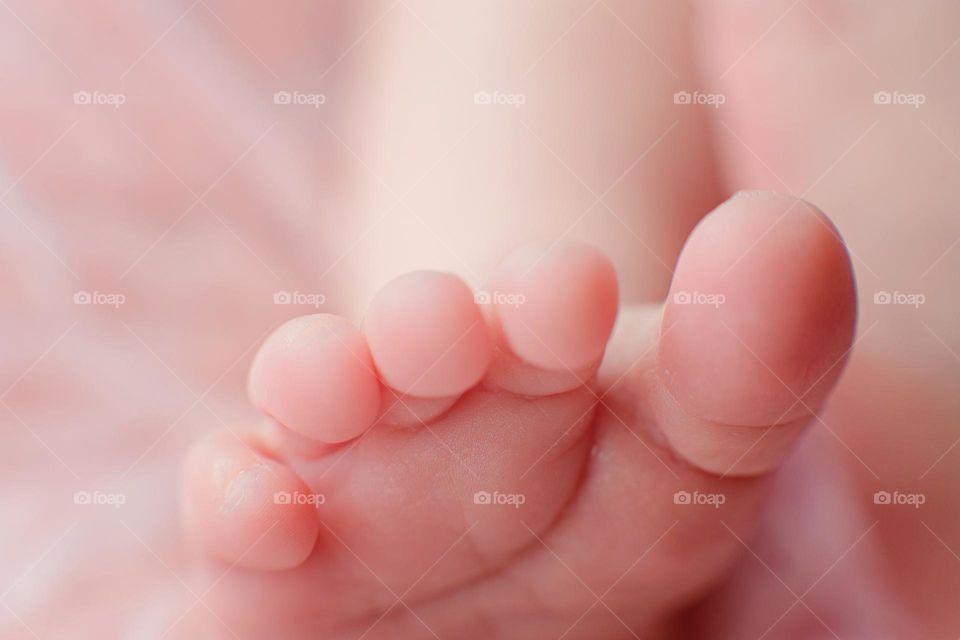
(293, 212)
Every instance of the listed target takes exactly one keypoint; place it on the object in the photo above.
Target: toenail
(242, 487)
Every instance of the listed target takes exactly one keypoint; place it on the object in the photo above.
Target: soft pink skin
(231, 509)
(548, 324)
(773, 348)
(427, 336)
(314, 375)
(573, 459)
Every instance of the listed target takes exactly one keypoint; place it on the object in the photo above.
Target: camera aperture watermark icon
(899, 298)
(714, 100)
(696, 498)
(500, 98)
(299, 99)
(299, 298)
(99, 498)
(896, 98)
(499, 298)
(699, 297)
(99, 298)
(495, 498)
(99, 99)
(298, 497)
(898, 498)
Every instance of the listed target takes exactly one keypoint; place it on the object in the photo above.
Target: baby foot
(464, 470)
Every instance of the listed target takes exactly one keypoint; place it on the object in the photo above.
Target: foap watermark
(714, 500)
(899, 99)
(699, 297)
(496, 498)
(709, 99)
(515, 100)
(315, 300)
(499, 297)
(900, 298)
(299, 98)
(99, 298)
(298, 497)
(99, 498)
(99, 99)
(898, 498)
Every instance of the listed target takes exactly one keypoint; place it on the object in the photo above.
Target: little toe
(244, 508)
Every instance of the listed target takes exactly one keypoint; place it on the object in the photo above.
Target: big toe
(760, 318)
